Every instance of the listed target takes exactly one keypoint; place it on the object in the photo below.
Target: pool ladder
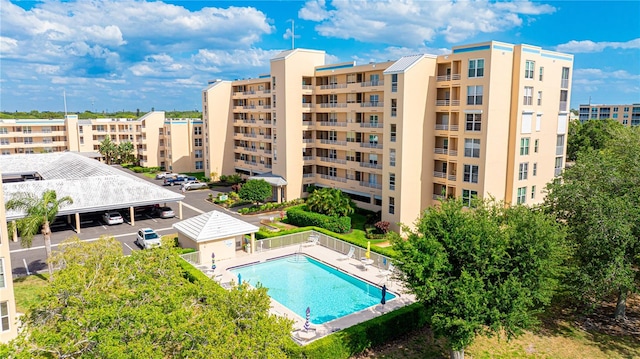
(298, 257)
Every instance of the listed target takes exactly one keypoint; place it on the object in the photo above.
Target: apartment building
(488, 119)
(8, 320)
(175, 144)
(628, 115)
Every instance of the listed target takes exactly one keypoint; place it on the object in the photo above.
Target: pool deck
(353, 266)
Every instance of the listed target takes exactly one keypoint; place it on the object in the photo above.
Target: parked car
(164, 212)
(162, 175)
(112, 218)
(178, 180)
(147, 238)
(189, 185)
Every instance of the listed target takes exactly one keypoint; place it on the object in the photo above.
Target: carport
(92, 185)
(215, 232)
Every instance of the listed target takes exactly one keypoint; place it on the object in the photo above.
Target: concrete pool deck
(353, 266)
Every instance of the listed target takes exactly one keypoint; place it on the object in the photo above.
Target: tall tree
(108, 149)
(256, 190)
(599, 199)
(481, 270)
(592, 134)
(40, 213)
(124, 152)
(103, 304)
(330, 201)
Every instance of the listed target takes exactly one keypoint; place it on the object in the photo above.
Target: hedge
(299, 217)
(356, 339)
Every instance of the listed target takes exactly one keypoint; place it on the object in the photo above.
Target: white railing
(442, 126)
(370, 185)
(371, 125)
(440, 151)
(333, 86)
(333, 160)
(333, 178)
(372, 83)
(439, 174)
(371, 165)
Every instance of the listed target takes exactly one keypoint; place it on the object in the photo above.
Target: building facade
(8, 320)
(174, 144)
(488, 119)
(628, 115)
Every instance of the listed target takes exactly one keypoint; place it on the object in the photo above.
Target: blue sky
(127, 55)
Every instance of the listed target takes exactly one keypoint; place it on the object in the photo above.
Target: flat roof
(92, 185)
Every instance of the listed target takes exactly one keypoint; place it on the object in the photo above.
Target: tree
(256, 191)
(124, 152)
(108, 149)
(599, 199)
(330, 201)
(592, 134)
(481, 270)
(103, 304)
(40, 213)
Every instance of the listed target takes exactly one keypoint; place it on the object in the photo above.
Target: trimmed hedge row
(356, 339)
(298, 216)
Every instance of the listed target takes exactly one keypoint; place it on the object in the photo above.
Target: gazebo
(216, 233)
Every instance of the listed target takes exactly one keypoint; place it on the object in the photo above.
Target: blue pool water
(298, 282)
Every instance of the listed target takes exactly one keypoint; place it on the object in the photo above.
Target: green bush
(356, 339)
(271, 206)
(137, 169)
(300, 217)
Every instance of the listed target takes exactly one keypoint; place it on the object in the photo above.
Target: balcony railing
(371, 165)
(249, 107)
(306, 105)
(307, 140)
(333, 105)
(333, 178)
(308, 158)
(333, 86)
(441, 151)
(442, 126)
(372, 83)
(372, 104)
(437, 197)
(332, 123)
(308, 175)
(370, 145)
(451, 177)
(370, 185)
(307, 87)
(371, 125)
(333, 142)
(249, 121)
(448, 77)
(447, 102)
(439, 174)
(333, 160)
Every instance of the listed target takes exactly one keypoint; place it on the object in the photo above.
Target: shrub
(300, 217)
(382, 226)
(223, 178)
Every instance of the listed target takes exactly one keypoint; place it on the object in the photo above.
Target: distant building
(628, 115)
(487, 119)
(175, 144)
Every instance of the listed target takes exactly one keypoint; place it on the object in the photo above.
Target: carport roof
(92, 185)
(213, 225)
(274, 180)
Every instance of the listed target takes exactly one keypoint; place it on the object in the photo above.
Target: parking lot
(93, 226)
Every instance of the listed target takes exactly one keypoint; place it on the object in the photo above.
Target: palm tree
(41, 212)
(330, 201)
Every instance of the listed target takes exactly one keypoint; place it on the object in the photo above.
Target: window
(393, 133)
(522, 195)
(161, 154)
(476, 68)
(374, 100)
(533, 192)
(539, 98)
(565, 78)
(564, 94)
(198, 165)
(4, 316)
(558, 167)
(6, 152)
(373, 140)
(474, 95)
(374, 78)
(392, 181)
(333, 135)
(197, 130)
(351, 155)
(28, 140)
(197, 142)
(392, 157)
(273, 82)
(373, 120)
(559, 144)
(524, 146)
(394, 107)
(4, 131)
(470, 174)
(472, 147)
(529, 68)
(468, 196)
(541, 73)
(333, 171)
(394, 83)
(351, 136)
(536, 144)
(373, 159)
(473, 122)
(538, 122)
(535, 168)
(198, 153)
(2, 279)
(528, 95)
(523, 173)
(392, 205)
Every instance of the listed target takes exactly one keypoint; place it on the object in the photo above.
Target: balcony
(439, 174)
(372, 83)
(372, 104)
(371, 165)
(308, 158)
(451, 177)
(332, 124)
(441, 151)
(307, 87)
(333, 160)
(333, 105)
(371, 125)
(252, 135)
(307, 140)
(447, 102)
(333, 86)
(438, 197)
(249, 107)
(249, 121)
(333, 178)
(370, 145)
(308, 175)
(333, 142)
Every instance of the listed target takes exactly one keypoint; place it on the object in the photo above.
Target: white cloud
(585, 46)
(590, 81)
(7, 45)
(215, 60)
(412, 23)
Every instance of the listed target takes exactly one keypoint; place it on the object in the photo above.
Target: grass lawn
(27, 289)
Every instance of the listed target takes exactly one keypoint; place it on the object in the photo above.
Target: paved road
(93, 228)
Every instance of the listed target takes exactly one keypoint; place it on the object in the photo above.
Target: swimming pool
(299, 281)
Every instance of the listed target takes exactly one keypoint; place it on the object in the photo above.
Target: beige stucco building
(489, 119)
(176, 144)
(8, 320)
(628, 115)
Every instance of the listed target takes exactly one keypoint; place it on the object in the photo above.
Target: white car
(112, 218)
(163, 175)
(189, 185)
(147, 238)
